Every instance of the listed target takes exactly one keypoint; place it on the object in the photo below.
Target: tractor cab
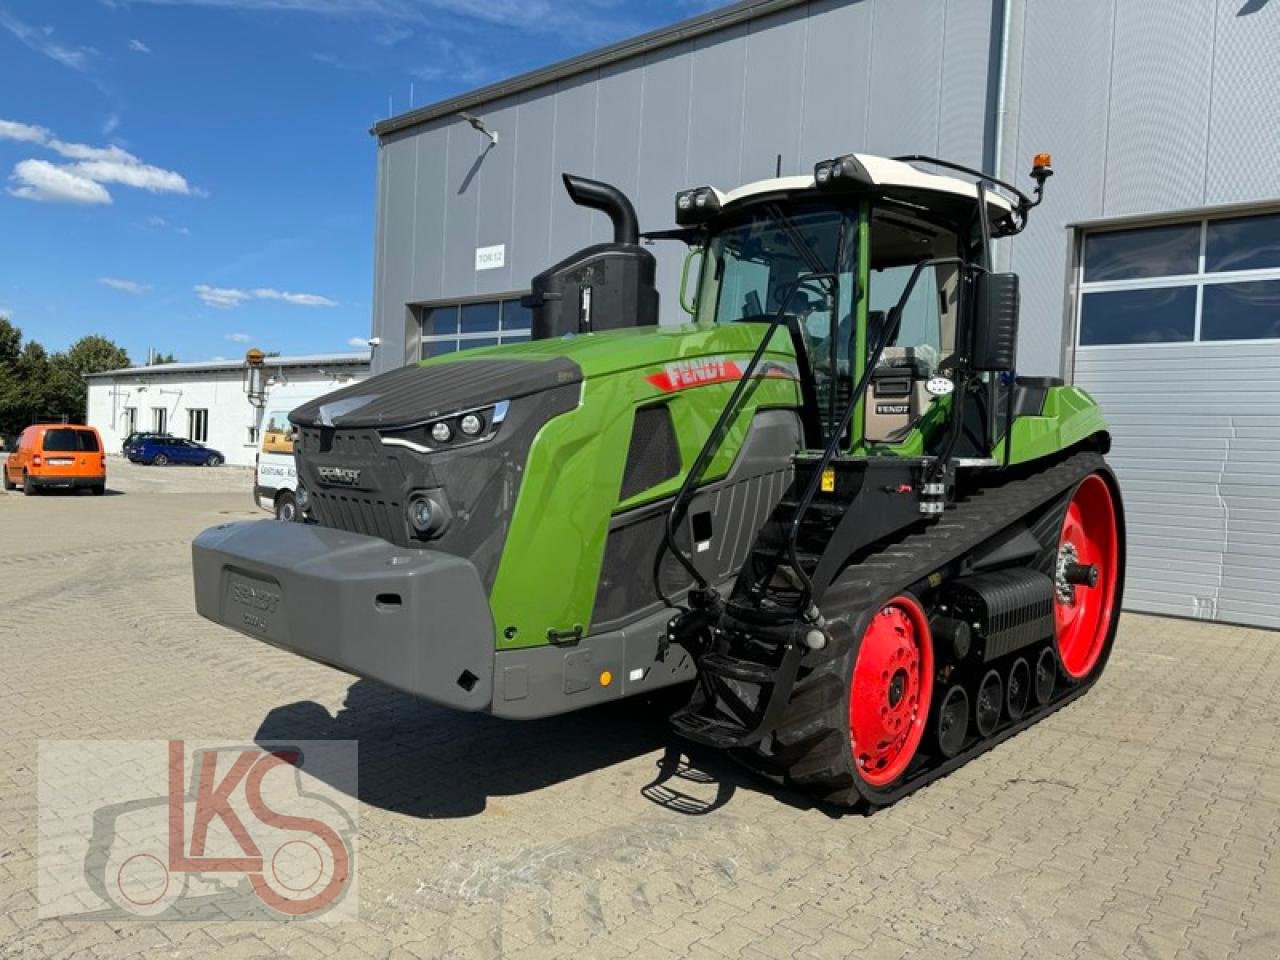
(865, 250)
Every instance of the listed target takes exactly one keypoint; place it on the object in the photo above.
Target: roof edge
(214, 366)
(719, 19)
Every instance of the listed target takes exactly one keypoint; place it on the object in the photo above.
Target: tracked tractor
(826, 504)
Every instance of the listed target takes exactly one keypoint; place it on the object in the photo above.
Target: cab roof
(895, 178)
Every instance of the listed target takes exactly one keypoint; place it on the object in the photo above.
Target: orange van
(57, 455)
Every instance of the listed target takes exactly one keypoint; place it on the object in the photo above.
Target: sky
(197, 176)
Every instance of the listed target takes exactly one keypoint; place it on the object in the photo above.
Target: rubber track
(809, 749)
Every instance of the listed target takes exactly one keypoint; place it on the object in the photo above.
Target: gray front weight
(414, 619)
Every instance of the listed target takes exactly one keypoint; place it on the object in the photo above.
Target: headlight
(842, 172)
(421, 515)
(696, 206)
(461, 429)
(302, 496)
(427, 517)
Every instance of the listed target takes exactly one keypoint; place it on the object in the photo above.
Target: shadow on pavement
(430, 762)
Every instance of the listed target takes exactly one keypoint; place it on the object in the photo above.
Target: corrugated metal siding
(1197, 449)
(823, 78)
(1147, 106)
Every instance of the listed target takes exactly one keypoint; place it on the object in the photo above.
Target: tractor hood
(413, 394)
(476, 378)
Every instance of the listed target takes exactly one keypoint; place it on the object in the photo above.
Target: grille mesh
(654, 455)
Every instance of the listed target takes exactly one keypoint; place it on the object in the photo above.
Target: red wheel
(890, 693)
(1087, 568)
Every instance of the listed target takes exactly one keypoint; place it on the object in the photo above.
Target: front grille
(358, 513)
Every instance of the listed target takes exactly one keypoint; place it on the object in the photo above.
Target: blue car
(162, 450)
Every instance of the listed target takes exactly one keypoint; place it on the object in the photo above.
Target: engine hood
(413, 394)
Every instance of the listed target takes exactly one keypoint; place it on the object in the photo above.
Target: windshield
(771, 261)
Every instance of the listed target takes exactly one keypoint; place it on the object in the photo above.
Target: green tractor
(826, 504)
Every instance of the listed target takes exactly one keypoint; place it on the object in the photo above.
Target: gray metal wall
(1151, 107)
(821, 79)
(1147, 106)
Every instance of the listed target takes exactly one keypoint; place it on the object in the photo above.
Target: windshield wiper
(802, 246)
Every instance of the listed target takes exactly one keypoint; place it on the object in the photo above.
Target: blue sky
(197, 175)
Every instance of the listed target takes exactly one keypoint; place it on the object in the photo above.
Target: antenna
(410, 94)
(778, 171)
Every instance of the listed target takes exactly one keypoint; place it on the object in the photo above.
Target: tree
(164, 358)
(68, 394)
(34, 384)
(28, 390)
(10, 343)
(10, 390)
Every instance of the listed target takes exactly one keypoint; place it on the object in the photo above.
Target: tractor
(826, 505)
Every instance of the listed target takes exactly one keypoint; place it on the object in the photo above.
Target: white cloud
(96, 165)
(23, 132)
(137, 46)
(131, 173)
(124, 286)
(239, 338)
(48, 183)
(42, 42)
(228, 297)
(297, 299)
(82, 151)
(359, 343)
(110, 124)
(221, 297)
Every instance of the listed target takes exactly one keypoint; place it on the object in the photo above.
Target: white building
(206, 402)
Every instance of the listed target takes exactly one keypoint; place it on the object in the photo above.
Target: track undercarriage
(939, 642)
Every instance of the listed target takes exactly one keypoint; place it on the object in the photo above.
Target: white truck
(275, 479)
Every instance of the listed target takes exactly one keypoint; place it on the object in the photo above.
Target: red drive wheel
(1087, 568)
(891, 690)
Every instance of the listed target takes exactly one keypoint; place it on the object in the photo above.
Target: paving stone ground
(1142, 821)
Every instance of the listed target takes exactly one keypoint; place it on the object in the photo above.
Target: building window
(198, 425)
(253, 437)
(130, 420)
(448, 328)
(1206, 281)
(159, 419)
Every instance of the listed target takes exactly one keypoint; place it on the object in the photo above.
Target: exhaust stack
(609, 200)
(607, 286)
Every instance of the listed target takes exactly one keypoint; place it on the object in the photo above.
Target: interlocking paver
(1141, 822)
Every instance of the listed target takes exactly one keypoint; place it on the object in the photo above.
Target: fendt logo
(339, 476)
(683, 374)
(216, 832)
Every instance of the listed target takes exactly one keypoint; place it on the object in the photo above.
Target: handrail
(712, 444)
(893, 322)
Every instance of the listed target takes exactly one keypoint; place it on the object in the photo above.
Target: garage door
(1178, 338)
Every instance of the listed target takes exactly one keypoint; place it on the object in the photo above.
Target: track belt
(865, 588)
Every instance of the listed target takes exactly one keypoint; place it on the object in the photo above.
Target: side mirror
(995, 322)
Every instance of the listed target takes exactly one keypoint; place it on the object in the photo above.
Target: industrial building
(206, 402)
(1150, 276)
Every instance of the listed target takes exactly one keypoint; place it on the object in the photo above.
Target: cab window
(927, 332)
(799, 263)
